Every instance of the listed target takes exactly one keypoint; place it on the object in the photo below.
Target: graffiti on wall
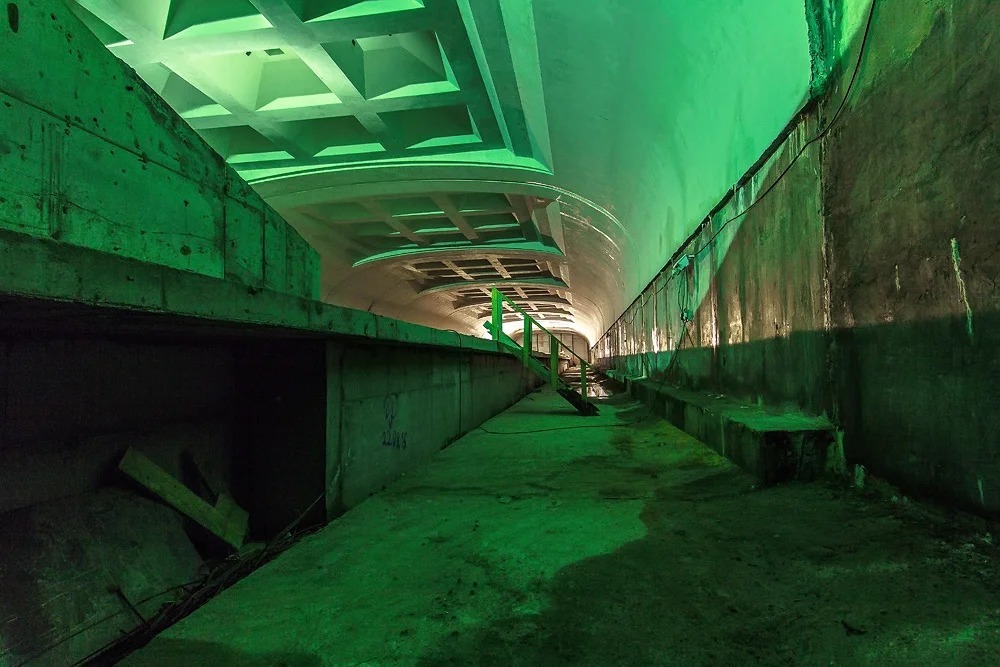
(391, 436)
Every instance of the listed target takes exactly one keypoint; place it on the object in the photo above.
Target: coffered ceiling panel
(432, 149)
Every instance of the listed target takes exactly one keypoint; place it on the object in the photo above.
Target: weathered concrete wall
(345, 418)
(864, 285)
(745, 319)
(282, 424)
(400, 406)
(149, 298)
(912, 204)
(69, 407)
(92, 157)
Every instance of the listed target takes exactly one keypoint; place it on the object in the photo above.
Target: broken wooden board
(233, 517)
(226, 520)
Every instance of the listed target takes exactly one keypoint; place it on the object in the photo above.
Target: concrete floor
(607, 546)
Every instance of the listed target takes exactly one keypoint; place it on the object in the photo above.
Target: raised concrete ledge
(773, 447)
(34, 268)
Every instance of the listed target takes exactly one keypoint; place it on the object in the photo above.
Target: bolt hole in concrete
(13, 17)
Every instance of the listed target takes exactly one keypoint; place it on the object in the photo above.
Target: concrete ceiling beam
(486, 285)
(458, 270)
(515, 249)
(498, 267)
(303, 42)
(548, 220)
(458, 219)
(377, 209)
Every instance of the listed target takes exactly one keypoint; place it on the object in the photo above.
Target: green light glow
(666, 106)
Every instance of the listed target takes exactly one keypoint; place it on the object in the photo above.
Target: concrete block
(774, 447)
(779, 448)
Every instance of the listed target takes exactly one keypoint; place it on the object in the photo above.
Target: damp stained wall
(655, 110)
(864, 285)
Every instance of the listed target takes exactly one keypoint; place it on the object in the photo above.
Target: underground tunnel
(499, 332)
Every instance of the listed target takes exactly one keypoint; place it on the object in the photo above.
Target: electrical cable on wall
(819, 137)
(680, 265)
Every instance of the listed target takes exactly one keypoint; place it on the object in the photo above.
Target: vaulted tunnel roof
(433, 149)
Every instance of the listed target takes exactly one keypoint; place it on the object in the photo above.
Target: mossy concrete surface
(606, 545)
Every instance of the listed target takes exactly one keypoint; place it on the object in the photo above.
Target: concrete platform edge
(773, 447)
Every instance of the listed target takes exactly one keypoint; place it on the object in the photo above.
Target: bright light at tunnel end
(556, 326)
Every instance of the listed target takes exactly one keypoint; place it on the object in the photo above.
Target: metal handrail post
(554, 360)
(497, 313)
(526, 342)
(516, 308)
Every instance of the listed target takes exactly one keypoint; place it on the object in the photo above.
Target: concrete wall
(282, 424)
(912, 205)
(741, 311)
(70, 406)
(863, 286)
(400, 406)
(344, 419)
(93, 158)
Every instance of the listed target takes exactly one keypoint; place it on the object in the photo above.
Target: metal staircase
(576, 397)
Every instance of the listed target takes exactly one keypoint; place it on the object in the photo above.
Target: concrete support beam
(148, 294)
(94, 146)
(457, 219)
(376, 208)
(499, 268)
(548, 220)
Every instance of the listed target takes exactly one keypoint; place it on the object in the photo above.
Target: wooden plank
(223, 520)
(234, 518)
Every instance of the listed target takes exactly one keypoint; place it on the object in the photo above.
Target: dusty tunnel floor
(607, 546)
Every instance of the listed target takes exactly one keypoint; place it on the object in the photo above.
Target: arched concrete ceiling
(433, 149)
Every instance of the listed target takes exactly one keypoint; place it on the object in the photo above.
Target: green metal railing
(495, 327)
